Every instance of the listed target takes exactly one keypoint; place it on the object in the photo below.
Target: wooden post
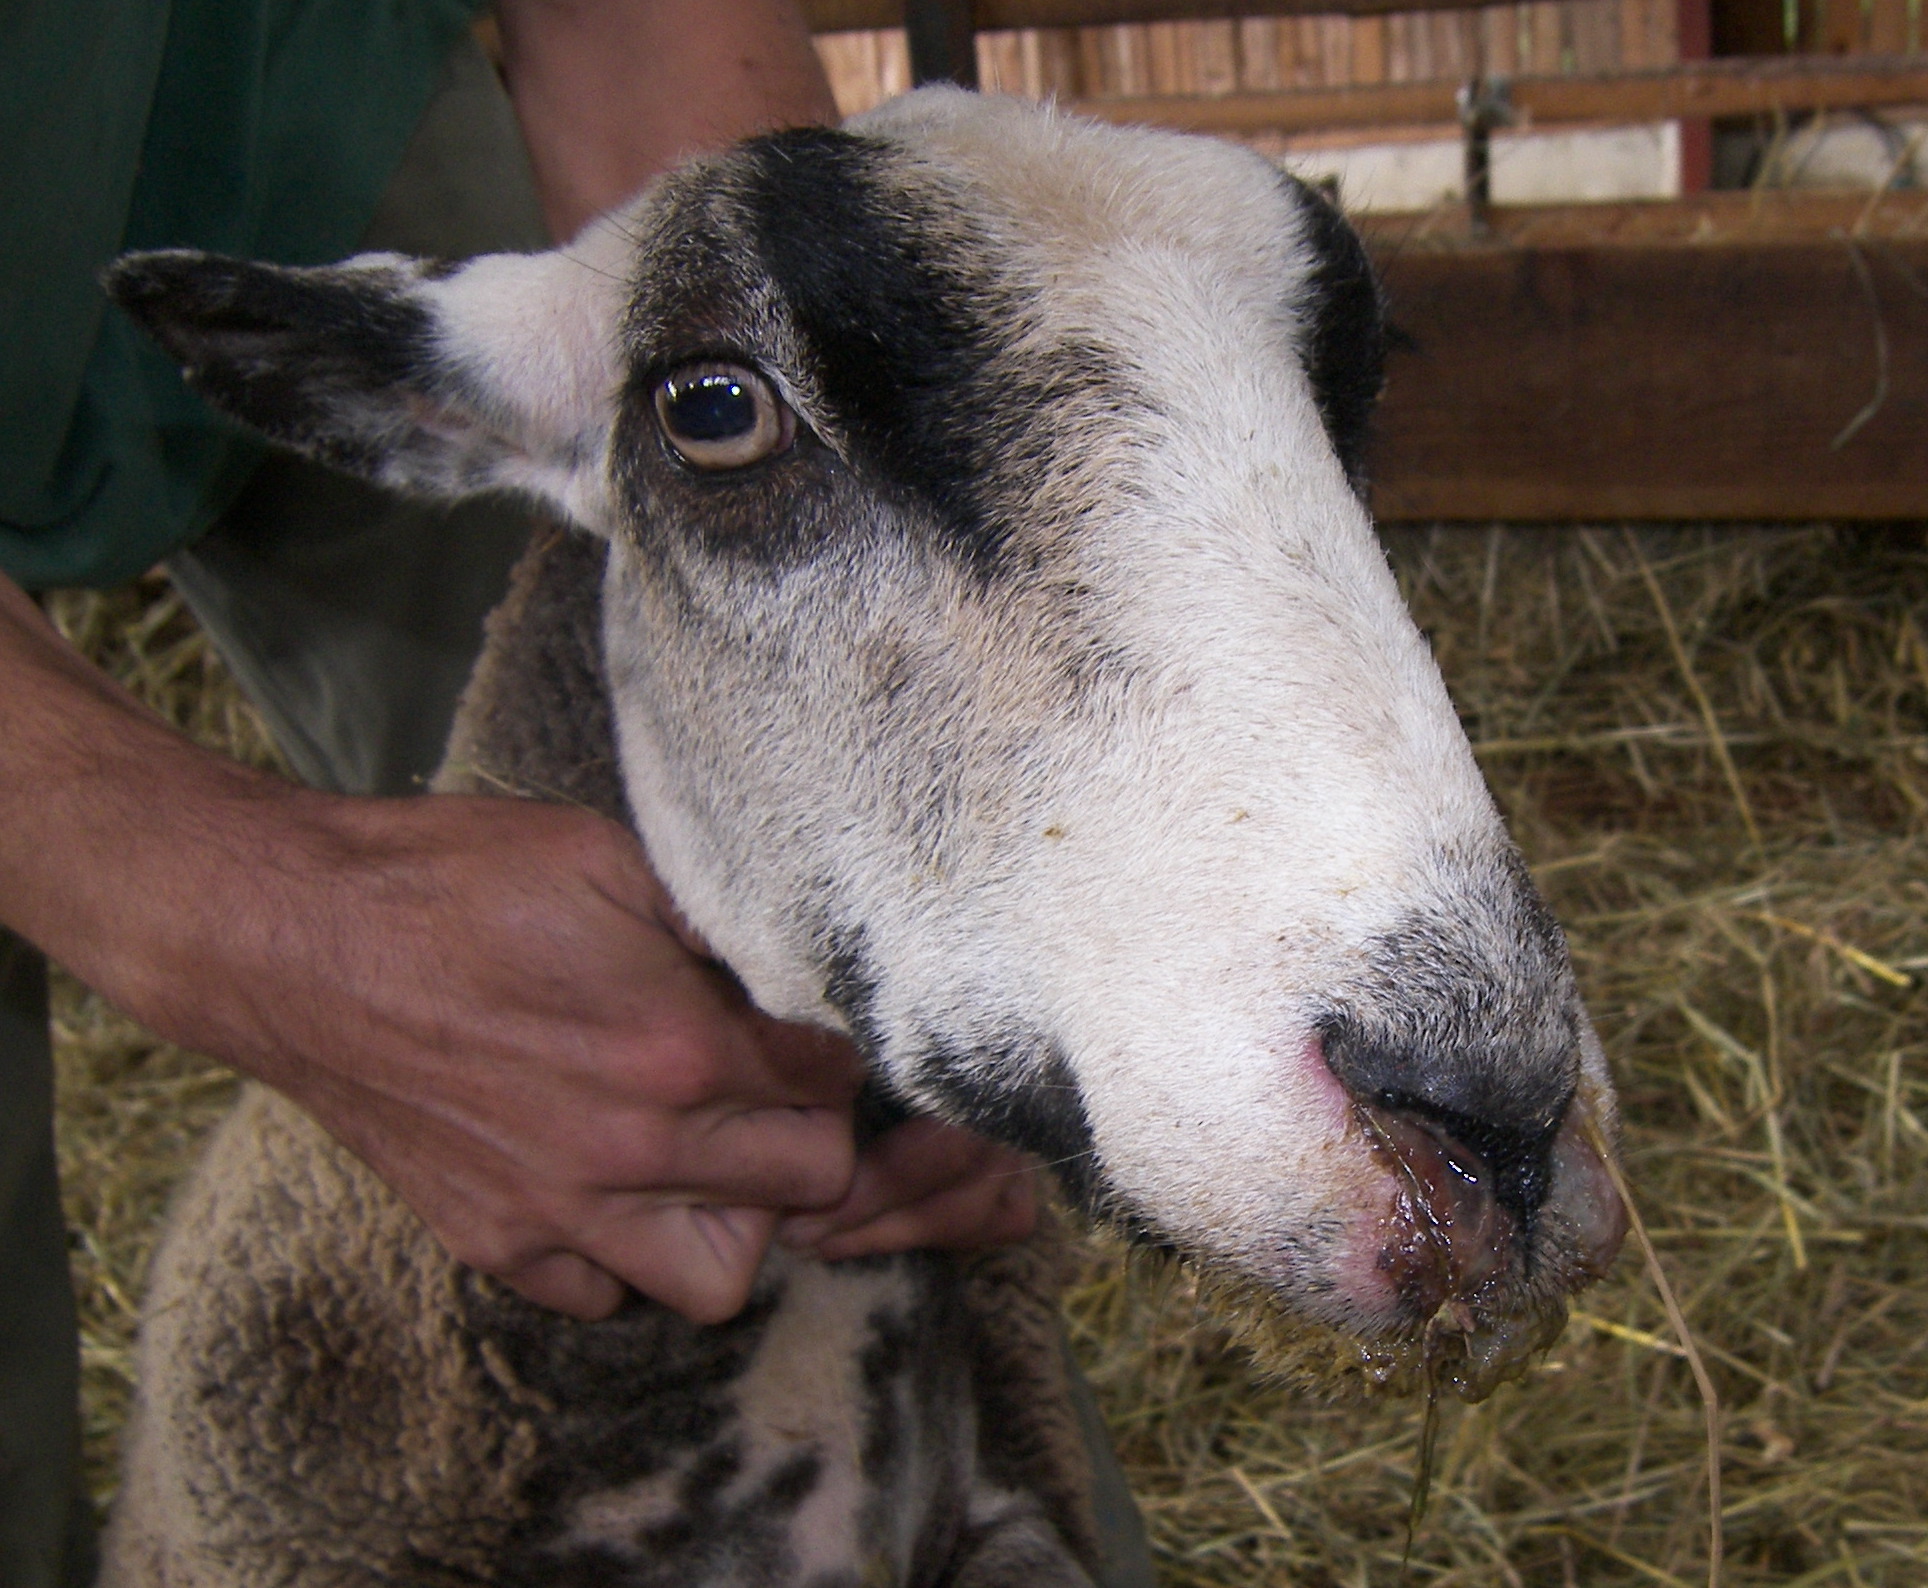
(1694, 36)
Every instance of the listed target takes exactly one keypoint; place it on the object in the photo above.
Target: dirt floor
(1713, 746)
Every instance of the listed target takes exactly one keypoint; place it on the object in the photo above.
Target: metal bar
(1483, 105)
(943, 42)
(1737, 87)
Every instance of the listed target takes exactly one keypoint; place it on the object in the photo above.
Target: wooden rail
(1738, 356)
(1739, 86)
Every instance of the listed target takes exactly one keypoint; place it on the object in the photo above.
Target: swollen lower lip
(1444, 1236)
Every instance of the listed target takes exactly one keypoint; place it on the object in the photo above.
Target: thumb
(699, 1260)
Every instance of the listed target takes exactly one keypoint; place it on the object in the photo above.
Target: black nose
(1465, 1018)
(1501, 1101)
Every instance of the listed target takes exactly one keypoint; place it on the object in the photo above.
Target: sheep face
(1006, 672)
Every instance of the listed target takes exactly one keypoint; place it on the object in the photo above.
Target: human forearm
(610, 93)
(100, 801)
(486, 999)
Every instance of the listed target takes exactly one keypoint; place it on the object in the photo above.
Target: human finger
(566, 1282)
(903, 1166)
(823, 1065)
(699, 1260)
(994, 1209)
(764, 1157)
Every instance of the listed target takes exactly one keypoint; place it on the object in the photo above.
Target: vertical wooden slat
(1543, 31)
(1260, 66)
(1500, 40)
(1030, 81)
(1335, 51)
(1455, 43)
(865, 69)
(1402, 58)
(1060, 62)
(1000, 63)
(1368, 50)
(1593, 26)
(1297, 54)
(1127, 60)
(1834, 27)
(1162, 44)
(1310, 34)
(1694, 41)
(1888, 27)
(1214, 57)
(1636, 35)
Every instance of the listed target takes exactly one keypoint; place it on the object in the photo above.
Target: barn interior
(1652, 468)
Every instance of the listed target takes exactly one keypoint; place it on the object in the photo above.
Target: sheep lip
(1478, 1297)
(1445, 1237)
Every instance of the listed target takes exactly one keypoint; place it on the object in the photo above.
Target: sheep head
(1006, 673)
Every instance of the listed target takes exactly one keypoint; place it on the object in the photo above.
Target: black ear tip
(134, 277)
(143, 283)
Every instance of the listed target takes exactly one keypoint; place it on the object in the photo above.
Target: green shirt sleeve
(267, 128)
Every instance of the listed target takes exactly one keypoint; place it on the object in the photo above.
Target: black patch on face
(902, 327)
(1020, 1092)
(850, 985)
(909, 322)
(1344, 317)
(1468, 1018)
(321, 360)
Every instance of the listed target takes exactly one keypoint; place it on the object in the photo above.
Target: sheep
(968, 596)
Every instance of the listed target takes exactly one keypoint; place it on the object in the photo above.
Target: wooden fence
(1731, 356)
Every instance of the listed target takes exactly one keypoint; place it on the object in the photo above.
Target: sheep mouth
(1469, 1293)
(1482, 1279)
(1461, 1265)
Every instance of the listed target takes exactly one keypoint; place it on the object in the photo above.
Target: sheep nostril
(1515, 1164)
(1499, 1107)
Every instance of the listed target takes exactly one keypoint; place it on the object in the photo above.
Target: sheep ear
(499, 374)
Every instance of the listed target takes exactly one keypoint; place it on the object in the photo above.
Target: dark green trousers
(46, 1523)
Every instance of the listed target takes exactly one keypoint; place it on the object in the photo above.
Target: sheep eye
(722, 416)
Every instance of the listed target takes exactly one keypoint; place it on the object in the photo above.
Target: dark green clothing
(368, 610)
(267, 128)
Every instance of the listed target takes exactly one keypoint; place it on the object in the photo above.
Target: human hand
(517, 1031)
(547, 1072)
(493, 1003)
(924, 1184)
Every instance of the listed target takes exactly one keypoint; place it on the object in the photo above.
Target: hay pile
(1714, 749)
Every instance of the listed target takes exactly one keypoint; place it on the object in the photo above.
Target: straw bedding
(1713, 746)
